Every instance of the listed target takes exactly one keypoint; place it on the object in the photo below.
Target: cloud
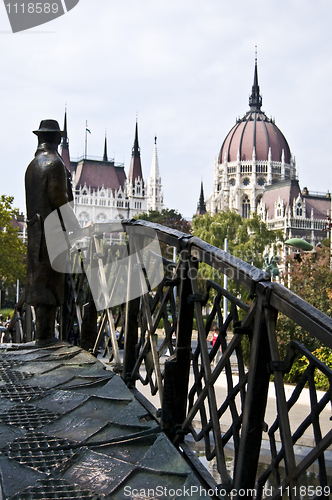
(186, 68)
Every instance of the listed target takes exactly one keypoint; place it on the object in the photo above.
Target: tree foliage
(311, 279)
(12, 262)
(167, 217)
(247, 239)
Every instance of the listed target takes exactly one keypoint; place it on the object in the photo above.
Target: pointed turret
(64, 146)
(105, 157)
(201, 207)
(135, 170)
(255, 100)
(155, 196)
(154, 173)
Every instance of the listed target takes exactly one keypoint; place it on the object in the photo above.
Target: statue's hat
(48, 126)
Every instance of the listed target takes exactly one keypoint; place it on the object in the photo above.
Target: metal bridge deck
(71, 429)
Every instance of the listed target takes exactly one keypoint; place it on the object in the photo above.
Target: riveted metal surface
(70, 429)
(48, 489)
(39, 451)
(19, 392)
(27, 416)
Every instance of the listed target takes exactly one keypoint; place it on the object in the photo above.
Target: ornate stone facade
(101, 189)
(256, 172)
(254, 154)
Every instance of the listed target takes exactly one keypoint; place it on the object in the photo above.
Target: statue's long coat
(46, 190)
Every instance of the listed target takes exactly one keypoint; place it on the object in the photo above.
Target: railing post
(131, 327)
(27, 323)
(255, 405)
(177, 368)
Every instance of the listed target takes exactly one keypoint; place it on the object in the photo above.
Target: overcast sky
(185, 67)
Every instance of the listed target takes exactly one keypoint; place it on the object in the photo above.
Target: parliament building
(101, 189)
(255, 171)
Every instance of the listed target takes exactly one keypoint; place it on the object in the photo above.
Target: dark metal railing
(186, 381)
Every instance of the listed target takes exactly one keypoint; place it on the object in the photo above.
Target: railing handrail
(176, 300)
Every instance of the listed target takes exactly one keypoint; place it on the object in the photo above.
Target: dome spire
(105, 158)
(255, 100)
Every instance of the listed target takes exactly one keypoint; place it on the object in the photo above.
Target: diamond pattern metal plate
(69, 428)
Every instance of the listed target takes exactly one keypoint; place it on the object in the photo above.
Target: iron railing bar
(213, 377)
(283, 416)
(305, 424)
(115, 281)
(156, 322)
(100, 332)
(316, 426)
(115, 347)
(311, 357)
(165, 234)
(302, 313)
(242, 272)
(255, 404)
(232, 404)
(305, 463)
(116, 354)
(223, 330)
(150, 324)
(155, 325)
(76, 293)
(228, 295)
(220, 456)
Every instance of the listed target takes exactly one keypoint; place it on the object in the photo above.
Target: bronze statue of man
(46, 189)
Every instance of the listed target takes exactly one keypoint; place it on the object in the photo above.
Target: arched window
(245, 207)
(101, 218)
(279, 213)
(83, 219)
(299, 210)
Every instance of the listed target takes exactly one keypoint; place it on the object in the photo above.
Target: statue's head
(49, 131)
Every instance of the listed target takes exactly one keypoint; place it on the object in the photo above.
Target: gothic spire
(255, 100)
(201, 207)
(136, 148)
(105, 157)
(64, 146)
(154, 173)
(135, 170)
(64, 141)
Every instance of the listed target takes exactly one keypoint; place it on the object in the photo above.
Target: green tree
(13, 251)
(311, 279)
(247, 238)
(167, 217)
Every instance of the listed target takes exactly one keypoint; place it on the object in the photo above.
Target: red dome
(255, 129)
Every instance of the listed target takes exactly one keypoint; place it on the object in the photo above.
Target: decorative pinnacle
(255, 100)
(136, 148)
(105, 157)
(65, 141)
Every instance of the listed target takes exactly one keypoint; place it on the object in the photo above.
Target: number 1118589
(318, 491)
(32, 8)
